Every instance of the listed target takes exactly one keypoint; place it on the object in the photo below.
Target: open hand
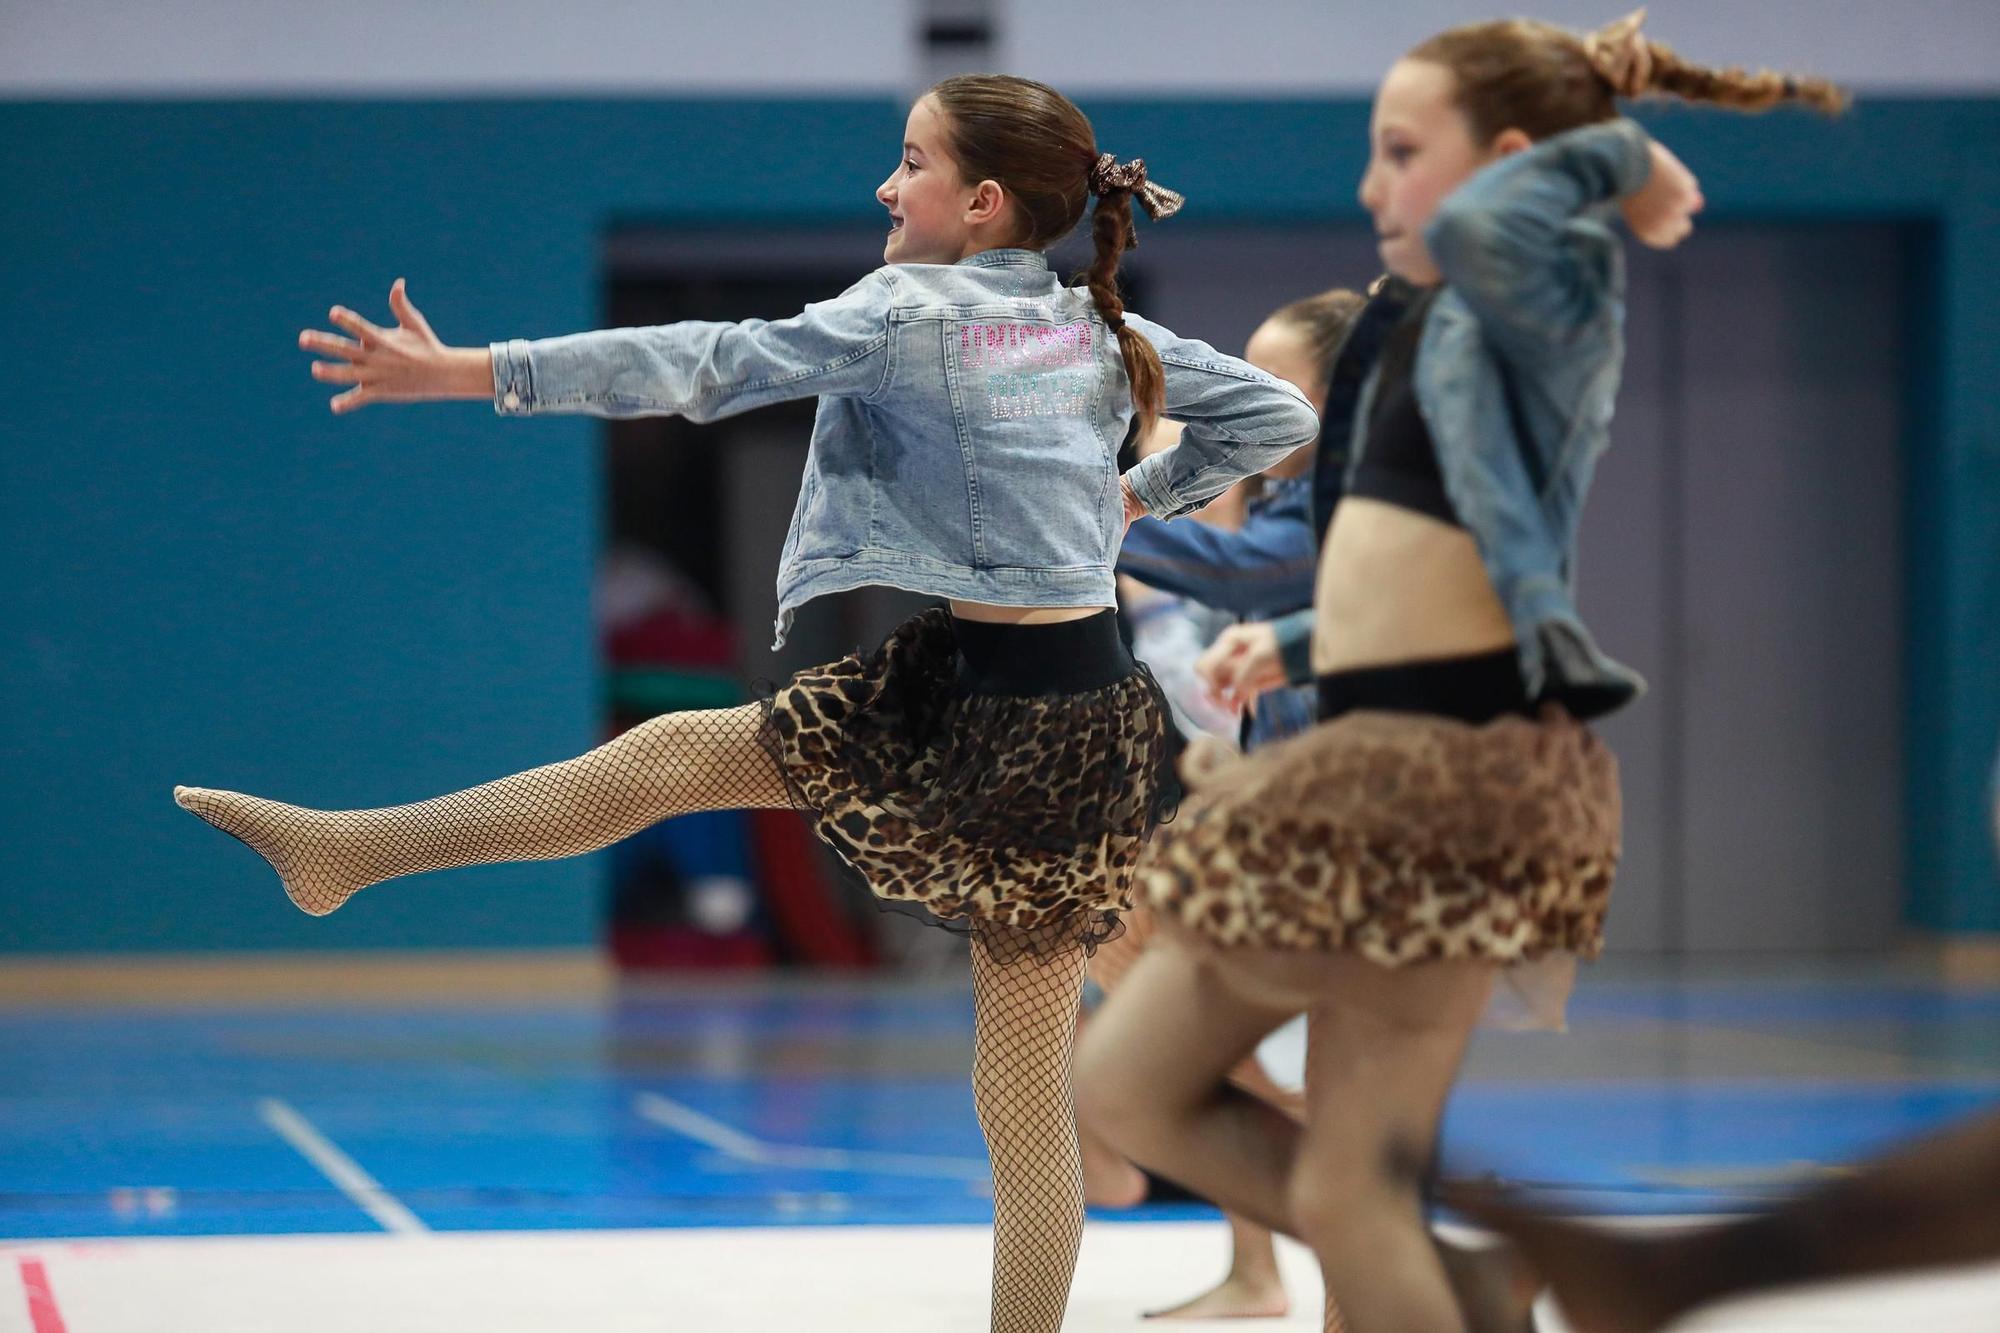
(405, 364)
(1661, 212)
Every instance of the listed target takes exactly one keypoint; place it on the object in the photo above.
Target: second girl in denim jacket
(1450, 820)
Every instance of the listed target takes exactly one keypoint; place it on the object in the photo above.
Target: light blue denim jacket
(1516, 375)
(969, 422)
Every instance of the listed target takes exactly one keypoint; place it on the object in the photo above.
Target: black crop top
(1398, 463)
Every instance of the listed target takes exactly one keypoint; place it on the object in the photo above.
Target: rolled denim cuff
(1149, 485)
(1628, 150)
(513, 378)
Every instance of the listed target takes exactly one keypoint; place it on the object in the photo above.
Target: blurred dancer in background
(1451, 815)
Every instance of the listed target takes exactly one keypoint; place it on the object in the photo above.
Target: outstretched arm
(699, 370)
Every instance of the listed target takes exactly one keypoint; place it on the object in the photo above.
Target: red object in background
(671, 637)
(798, 896)
(636, 946)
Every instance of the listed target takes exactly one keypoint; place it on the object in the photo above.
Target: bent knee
(1330, 1191)
(1110, 1093)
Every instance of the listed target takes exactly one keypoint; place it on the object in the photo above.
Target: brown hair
(1540, 79)
(1042, 151)
(1324, 319)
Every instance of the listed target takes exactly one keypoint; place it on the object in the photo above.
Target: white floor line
(732, 1142)
(363, 1189)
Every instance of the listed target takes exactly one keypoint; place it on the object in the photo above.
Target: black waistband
(1472, 689)
(1064, 657)
(1416, 491)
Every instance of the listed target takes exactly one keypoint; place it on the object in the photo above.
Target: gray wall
(1745, 551)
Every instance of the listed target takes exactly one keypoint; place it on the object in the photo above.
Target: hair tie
(1110, 176)
(1621, 55)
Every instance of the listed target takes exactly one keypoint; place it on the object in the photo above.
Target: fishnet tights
(1025, 995)
(671, 765)
(1026, 986)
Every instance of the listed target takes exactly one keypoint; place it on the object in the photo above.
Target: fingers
(330, 344)
(1667, 232)
(354, 324)
(336, 372)
(1224, 679)
(1231, 642)
(407, 314)
(358, 396)
(1212, 665)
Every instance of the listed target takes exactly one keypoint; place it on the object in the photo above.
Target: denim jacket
(969, 422)
(1517, 371)
(1263, 568)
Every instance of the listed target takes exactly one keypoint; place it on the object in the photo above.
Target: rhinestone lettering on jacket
(1031, 370)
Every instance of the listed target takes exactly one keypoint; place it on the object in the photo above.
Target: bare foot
(1235, 1298)
(1605, 1282)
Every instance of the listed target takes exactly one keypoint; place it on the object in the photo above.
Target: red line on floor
(42, 1312)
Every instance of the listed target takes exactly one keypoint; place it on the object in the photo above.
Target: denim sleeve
(1510, 242)
(1238, 421)
(1264, 567)
(700, 370)
(1295, 632)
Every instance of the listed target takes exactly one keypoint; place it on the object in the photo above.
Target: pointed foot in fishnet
(284, 835)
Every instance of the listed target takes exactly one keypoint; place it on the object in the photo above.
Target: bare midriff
(1397, 586)
(1020, 615)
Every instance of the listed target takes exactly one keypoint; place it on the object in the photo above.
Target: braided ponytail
(1542, 80)
(1110, 223)
(1732, 87)
(1112, 233)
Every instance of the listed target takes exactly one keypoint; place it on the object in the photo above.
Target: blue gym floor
(796, 1103)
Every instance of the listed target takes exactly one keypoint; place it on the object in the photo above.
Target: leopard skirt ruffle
(1403, 838)
(1023, 810)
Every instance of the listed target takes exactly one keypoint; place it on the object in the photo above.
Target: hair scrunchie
(1622, 56)
(1110, 176)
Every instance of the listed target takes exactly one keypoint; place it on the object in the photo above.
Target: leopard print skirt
(996, 773)
(1401, 837)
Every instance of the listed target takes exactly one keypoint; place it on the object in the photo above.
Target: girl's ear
(988, 199)
(1507, 142)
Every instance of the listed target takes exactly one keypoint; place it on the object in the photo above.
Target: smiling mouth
(895, 223)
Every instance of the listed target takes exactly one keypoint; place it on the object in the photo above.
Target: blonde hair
(1324, 318)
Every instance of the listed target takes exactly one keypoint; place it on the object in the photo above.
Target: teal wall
(209, 579)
